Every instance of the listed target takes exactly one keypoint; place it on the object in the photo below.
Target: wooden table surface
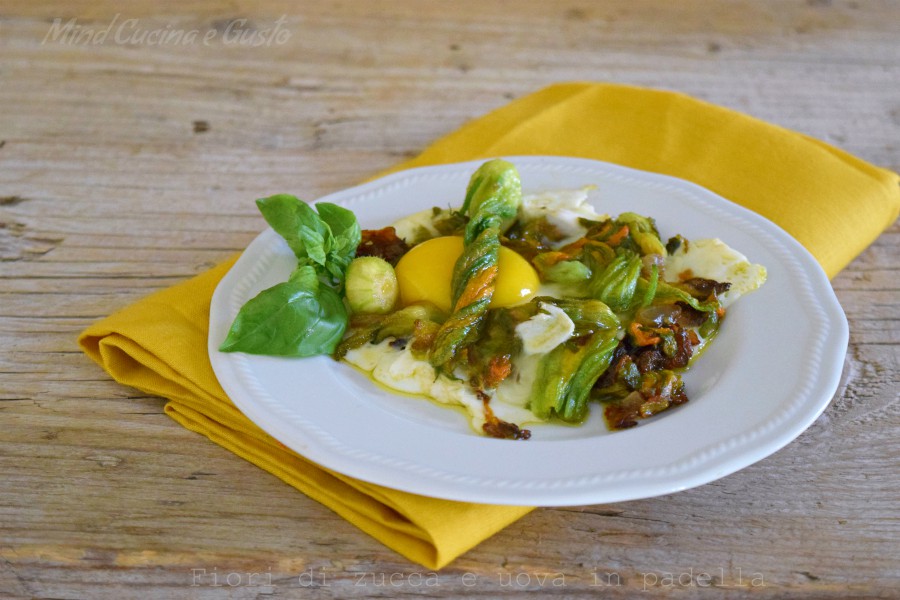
(130, 162)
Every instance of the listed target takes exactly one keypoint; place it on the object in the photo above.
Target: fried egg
(425, 273)
(397, 369)
(714, 259)
(562, 208)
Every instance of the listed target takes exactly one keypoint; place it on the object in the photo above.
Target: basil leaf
(305, 232)
(337, 270)
(343, 224)
(347, 235)
(315, 244)
(305, 276)
(298, 317)
(305, 315)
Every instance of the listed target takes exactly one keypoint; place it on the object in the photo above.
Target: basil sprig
(305, 315)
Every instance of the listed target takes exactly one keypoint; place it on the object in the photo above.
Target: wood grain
(127, 167)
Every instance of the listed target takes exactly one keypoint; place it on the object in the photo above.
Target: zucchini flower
(616, 284)
(474, 276)
(492, 198)
(588, 315)
(643, 232)
(565, 377)
(492, 202)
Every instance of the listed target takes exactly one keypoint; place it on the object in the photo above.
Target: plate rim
(718, 460)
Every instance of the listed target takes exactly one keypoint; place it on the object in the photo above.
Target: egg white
(714, 259)
(562, 208)
(397, 369)
(416, 225)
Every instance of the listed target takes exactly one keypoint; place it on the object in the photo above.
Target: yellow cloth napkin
(833, 203)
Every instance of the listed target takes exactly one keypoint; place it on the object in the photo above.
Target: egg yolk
(424, 274)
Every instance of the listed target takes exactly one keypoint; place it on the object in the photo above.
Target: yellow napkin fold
(158, 345)
(833, 203)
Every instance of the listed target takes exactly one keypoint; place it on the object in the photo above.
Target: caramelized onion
(658, 315)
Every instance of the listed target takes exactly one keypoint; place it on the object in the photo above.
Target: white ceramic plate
(769, 374)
